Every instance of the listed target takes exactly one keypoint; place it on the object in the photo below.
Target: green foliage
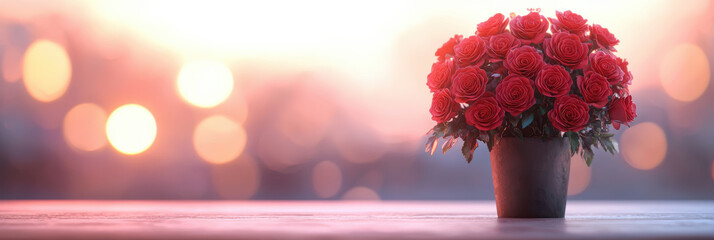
(533, 122)
(527, 120)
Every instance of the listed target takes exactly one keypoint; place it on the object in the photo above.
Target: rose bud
(440, 76)
(603, 37)
(498, 46)
(470, 51)
(569, 113)
(485, 113)
(447, 49)
(468, 84)
(605, 64)
(443, 107)
(595, 89)
(524, 61)
(553, 81)
(530, 28)
(567, 49)
(515, 94)
(494, 25)
(622, 110)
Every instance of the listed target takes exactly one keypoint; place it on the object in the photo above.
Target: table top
(75, 219)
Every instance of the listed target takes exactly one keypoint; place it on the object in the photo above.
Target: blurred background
(310, 100)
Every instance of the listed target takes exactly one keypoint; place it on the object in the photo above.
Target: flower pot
(530, 177)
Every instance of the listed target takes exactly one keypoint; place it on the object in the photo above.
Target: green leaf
(429, 144)
(574, 143)
(448, 144)
(587, 140)
(470, 144)
(588, 156)
(547, 130)
(527, 120)
(607, 144)
(615, 145)
(433, 146)
(439, 130)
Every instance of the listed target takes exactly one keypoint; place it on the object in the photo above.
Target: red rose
(524, 61)
(569, 113)
(447, 49)
(494, 25)
(469, 51)
(440, 76)
(530, 28)
(443, 107)
(553, 81)
(627, 77)
(603, 37)
(595, 89)
(468, 84)
(622, 88)
(567, 49)
(569, 22)
(484, 113)
(515, 94)
(499, 44)
(606, 65)
(622, 110)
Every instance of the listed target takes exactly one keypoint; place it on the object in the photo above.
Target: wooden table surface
(71, 219)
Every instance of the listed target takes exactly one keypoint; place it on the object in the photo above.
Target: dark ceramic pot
(530, 177)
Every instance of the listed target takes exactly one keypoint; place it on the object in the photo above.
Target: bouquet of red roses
(513, 78)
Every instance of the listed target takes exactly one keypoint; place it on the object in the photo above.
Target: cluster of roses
(568, 72)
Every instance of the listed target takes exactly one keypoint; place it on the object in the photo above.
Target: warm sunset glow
(218, 139)
(326, 179)
(237, 179)
(579, 175)
(644, 145)
(84, 127)
(205, 83)
(131, 129)
(46, 70)
(362, 194)
(685, 72)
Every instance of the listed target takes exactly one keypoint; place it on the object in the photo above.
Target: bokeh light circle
(218, 139)
(46, 70)
(205, 83)
(580, 175)
(131, 129)
(83, 127)
(362, 194)
(326, 179)
(644, 145)
(685, 72)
